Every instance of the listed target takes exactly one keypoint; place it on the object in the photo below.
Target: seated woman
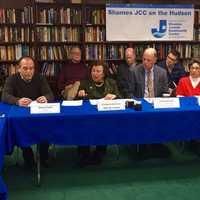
(96, 87)
(190, 85)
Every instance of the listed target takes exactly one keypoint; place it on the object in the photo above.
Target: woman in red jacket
(190, 85)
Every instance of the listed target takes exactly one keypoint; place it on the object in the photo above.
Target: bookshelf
(47, 31)
(58, 27)
(16, 37)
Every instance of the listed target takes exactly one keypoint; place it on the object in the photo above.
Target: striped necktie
(150, 86)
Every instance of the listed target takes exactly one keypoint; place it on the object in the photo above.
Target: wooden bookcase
(47, 31)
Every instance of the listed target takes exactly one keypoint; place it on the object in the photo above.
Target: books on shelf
(65, 15)
(45, 1)
(76, 1)
(49, 32)
(13, 16)
(58, 34)
(14, 52)
(56, 53)
(50, 69)
(95, 16)
(16, 34)
(95, 34)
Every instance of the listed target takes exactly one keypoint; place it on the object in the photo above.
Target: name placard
(107, 105)
(198, 100)
(166, 102)
(44, 108)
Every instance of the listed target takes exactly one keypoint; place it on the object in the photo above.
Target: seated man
(71, 74)
(149, 80)
(21, 89)
(174, 70)
(123, 72)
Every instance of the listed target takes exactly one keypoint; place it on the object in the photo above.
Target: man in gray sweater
(21, 89)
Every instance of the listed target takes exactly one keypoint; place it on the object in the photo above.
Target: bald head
(130, 56)
(149, 58)
(75, 54)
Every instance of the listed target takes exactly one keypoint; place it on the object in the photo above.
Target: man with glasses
(174, 69)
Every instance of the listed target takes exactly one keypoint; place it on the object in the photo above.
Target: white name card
(198, 99)
(44, 108)
(107, 105)
(166, 102)
(72, 103)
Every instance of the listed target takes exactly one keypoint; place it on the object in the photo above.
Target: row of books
(102, 51)
(47, 69)
(12, 16)
(58, 34)
(16, 34)
(186, 50)
(64, 16)
(95, 16)
(50, 69)
(54, 52)
(105, 52)
(8, 69)
(95, 52)
(14, 52)
(69, 15)
(95, 34)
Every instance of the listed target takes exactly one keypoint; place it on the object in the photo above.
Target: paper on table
(108, 105)
(72, 103)
(171, 102)
(45, 108)
(33, 103)
(94, 102)
(198, 99)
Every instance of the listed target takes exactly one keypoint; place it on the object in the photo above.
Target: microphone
(136, 105)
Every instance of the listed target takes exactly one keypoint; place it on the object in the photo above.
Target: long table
(85, 125)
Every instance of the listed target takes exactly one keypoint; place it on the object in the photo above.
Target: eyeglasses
(76, 53)
(172, 59)
(195, 68)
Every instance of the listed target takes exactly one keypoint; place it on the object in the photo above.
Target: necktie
(150, 84)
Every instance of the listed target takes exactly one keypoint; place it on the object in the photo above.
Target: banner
(144, 22)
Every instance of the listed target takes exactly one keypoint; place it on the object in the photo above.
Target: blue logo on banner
(162, 29)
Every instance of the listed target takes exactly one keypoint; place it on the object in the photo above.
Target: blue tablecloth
(4, 109)
(85, 125)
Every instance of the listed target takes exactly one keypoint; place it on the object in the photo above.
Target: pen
(174, 84)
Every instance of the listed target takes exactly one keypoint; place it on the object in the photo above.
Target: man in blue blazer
(139, 79)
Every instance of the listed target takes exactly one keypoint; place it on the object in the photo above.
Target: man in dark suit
(149, 80)
(123, 72)
(174, 69)
(139, 80)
